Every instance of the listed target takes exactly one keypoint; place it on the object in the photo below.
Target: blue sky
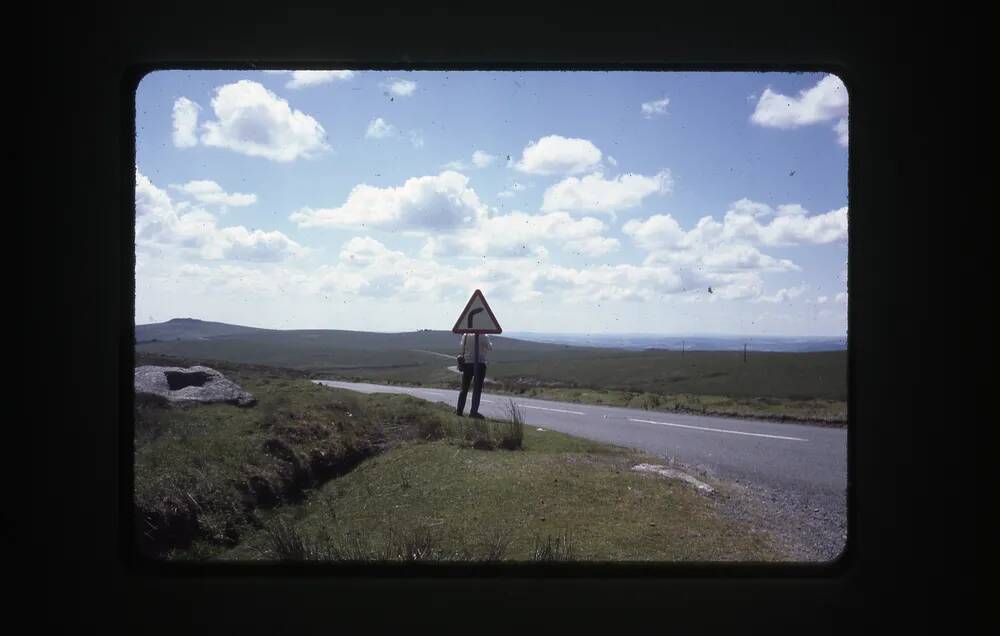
(576, 201)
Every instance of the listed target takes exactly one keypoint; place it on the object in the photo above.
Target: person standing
(471, 371)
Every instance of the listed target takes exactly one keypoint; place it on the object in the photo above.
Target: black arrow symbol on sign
(473, 313)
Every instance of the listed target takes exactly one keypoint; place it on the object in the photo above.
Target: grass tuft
(512, 431)
(285, 543)
(553, 548)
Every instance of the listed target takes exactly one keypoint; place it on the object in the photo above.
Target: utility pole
(744, 352)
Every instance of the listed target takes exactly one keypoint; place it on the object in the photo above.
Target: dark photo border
(100, 53)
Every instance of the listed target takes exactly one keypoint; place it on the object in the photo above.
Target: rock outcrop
(202, 385)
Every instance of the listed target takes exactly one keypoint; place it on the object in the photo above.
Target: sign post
(477, 318)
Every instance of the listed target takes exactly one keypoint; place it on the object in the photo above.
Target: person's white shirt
(468, 348)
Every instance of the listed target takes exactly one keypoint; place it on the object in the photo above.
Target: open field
(810, 386)
(314, 472)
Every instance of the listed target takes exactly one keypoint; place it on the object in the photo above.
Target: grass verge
(413, 482)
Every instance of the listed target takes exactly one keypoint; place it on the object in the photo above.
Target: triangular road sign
(477, 317)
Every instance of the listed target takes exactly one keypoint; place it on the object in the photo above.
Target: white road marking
(443, 355)
(542, 408)
(720, 430)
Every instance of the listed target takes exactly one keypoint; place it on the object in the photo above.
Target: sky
(577, 202)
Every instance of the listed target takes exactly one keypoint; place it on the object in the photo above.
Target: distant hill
(319, 348)
(189, 329)
(424, 357)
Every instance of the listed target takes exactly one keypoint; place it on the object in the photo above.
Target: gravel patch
(808, 526)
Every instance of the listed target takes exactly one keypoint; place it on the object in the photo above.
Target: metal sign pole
(476, 356)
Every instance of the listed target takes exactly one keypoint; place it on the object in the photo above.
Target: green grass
(832, 412)
(318, 473)
(559, 498)
(799, 386)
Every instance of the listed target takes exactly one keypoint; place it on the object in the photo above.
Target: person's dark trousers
(477, 390)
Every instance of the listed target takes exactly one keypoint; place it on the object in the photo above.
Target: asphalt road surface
(778, 454)
(793, 476)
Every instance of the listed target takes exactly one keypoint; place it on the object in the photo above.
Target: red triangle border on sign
(458, 329)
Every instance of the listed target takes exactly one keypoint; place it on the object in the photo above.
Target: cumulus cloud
(558, 155)
(512, 190)
(206, 191)
(726, 255)
(481, 159)
(782, 295)
(608, 282)
(253, 121)
(841, 130)
(594, 193)
(400, 87)
(304, 79)
(519, 234)
(379, 128)
(430, 203)
(160, 223)
(791, 225)
(824, 102)
(654, 108)
(185, 117)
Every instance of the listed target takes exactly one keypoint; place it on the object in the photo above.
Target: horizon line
(540, 333)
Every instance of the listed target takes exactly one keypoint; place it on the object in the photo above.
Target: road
(803, 458)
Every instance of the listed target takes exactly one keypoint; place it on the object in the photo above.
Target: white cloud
(185, 117)
(254, 121)
(842, 132)
(841, 298)
(161, 224)
(822, 300)
(594, 193)
(512, 190)
(654, 108)
(824, 102)
(729, 246)
(612, 160)
(481, 159)
(430, 203)
(211, 192)
(791, 225)
(656, 232)
(725, 255)
(593, 246)
(303, 79)
(519, 234)
(400, 87)
(558, 155)
(783, 295)
(607, 283)
(379, 128)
